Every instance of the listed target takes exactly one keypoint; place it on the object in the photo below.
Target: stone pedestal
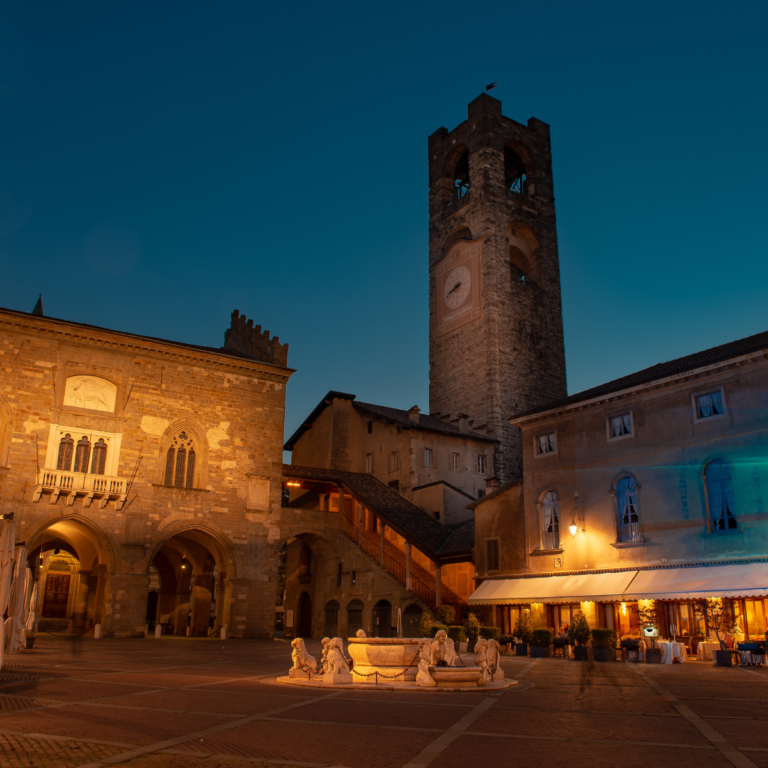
(337, 678)
(300, 673)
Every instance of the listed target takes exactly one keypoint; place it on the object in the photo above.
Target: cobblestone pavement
(178, 702)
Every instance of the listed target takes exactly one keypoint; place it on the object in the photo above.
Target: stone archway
(72, 562)
(191, 568)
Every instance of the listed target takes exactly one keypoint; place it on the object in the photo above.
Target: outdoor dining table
(704, 651)
(671, 650)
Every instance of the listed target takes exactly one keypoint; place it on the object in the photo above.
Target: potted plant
(472, 628)
(435, 628)
(490, 633)
(603, 645)
(578, 635)
(522, 631)
(459, 637)
(541, 643)
(651, 617)
(720, 617)
(445, 614)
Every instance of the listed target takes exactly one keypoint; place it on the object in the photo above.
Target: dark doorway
(382, 619)
(56, 596)
(412, 621)
(151, 610)
(331, 618)
(354, 617)
(305, 616)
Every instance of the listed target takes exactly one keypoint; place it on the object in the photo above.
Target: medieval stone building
(143, 474)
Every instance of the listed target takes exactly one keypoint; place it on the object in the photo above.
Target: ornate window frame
(197, 436)
(638, 539)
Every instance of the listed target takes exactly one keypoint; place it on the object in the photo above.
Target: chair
(562, 644)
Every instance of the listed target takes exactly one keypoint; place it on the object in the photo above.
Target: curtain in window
(66, 446)
(621, 425)
(710, 404)
(722, 509)
(99, 457)
(549, 509)
(82, 454)
(626, 499)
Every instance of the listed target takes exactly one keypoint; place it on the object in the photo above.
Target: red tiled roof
(720, 354)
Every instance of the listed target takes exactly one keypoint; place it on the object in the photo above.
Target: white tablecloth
(704, 651)
(671, 650)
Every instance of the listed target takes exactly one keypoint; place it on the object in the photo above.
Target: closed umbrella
(7, 539)
(25, 605)
(32, 609)
(15, 633)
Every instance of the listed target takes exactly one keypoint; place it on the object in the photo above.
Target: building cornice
(675, 380)
(62, 331)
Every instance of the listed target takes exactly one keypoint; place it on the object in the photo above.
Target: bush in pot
(472, 628)
(425, 624)
(435, 628)
(459, 637)
(603, 645)
(490, 633)
(445, 614)
(579, 635)
(522, 631)
(541, 643)
(720, 616)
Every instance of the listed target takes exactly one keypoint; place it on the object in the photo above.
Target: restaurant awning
(575, 588)
(742, 580)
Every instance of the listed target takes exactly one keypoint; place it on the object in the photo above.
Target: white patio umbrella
(7, 539)
(15, 634)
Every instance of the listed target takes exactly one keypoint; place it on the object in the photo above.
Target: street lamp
(577, 522)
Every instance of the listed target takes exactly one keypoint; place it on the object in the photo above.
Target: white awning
(576, 588)
(745, 580)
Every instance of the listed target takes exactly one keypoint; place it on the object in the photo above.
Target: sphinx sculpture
(423, 677)
(443, 650)
(487, 658)
(303, 663)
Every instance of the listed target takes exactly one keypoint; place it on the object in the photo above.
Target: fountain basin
(390, 657)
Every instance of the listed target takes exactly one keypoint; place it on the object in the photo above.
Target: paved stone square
(186, 702)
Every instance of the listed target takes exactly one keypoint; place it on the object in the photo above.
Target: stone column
(408, 564)
(438, 601)
(81, 599)
(381, 544)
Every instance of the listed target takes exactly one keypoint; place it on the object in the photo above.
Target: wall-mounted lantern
(577, 521)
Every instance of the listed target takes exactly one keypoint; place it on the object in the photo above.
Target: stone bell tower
(495, 318)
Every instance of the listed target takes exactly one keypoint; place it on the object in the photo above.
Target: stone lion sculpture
(302, 661)
(336, 669)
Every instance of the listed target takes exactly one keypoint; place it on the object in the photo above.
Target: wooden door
(56, 596)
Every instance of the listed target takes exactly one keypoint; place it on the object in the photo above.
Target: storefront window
(756, 619)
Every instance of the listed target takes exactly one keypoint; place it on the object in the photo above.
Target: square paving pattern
(177, 702)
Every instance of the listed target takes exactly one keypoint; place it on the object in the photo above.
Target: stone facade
(89, 420)
(641, 474)
(495, 348)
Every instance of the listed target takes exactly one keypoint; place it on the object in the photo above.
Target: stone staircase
(422, 581)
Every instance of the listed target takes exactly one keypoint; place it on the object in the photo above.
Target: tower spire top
(38, 310)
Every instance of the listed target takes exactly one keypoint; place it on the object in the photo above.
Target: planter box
(541, 653)
(521, 649)
(581, 652)
(722, 658)
(653, 655)
(30, 642)
(604, 654)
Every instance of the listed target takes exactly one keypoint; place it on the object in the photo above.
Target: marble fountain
(398, 663)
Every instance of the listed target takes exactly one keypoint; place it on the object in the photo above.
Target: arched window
(461, 176)
(722, 509)
(99, 457)
(550, 513)
(82, 454)
(627, 511)
(66, 447)
(514, 172)
(180, 460)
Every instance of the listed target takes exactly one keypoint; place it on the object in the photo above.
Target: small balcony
(549, 540)
(629, 533)
(58, 482)
(457, 202)
(524, 200)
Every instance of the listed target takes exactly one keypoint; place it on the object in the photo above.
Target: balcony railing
(549, 540)
(58, 481)
(629, 532)
(458, 202)
(519, 197)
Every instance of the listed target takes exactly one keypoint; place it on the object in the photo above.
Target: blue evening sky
(162, 163)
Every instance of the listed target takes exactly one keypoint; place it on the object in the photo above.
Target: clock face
(457, 286)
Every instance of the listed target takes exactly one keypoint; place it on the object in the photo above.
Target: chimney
(491, 484)
(463, 423)
(413, 414)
